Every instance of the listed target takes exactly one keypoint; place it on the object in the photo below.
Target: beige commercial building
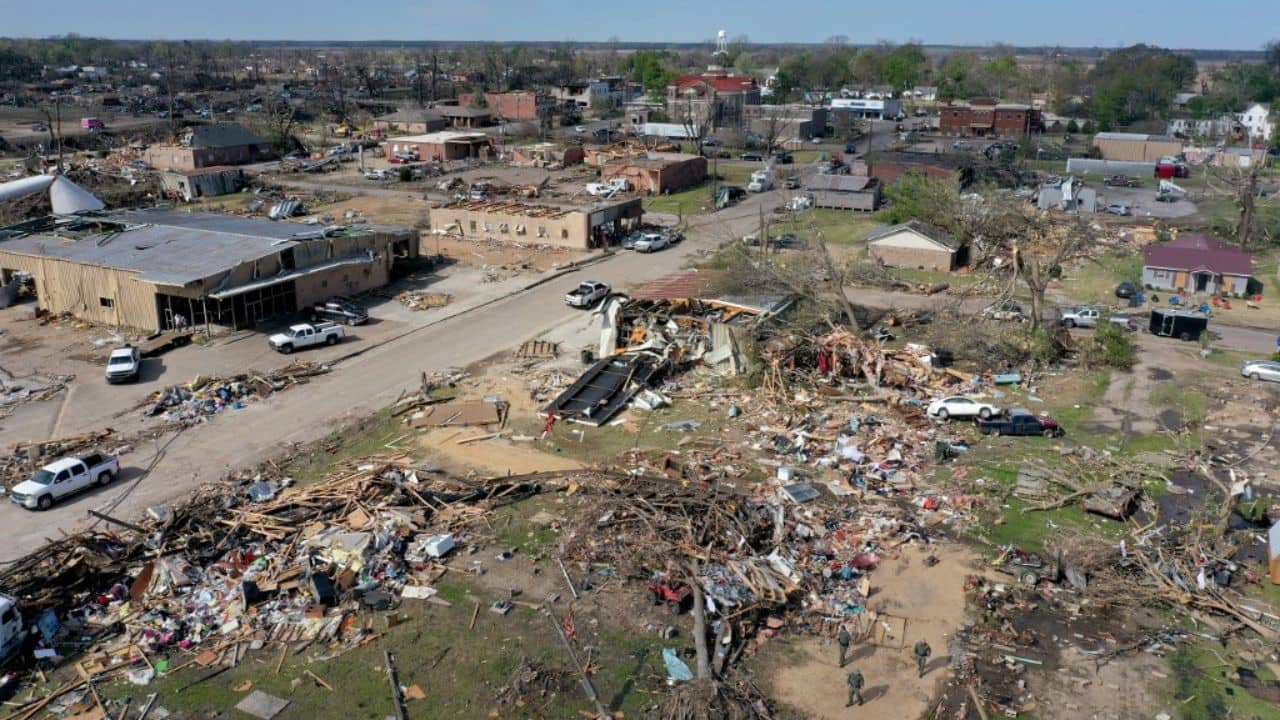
(153, 269)
(1135, 147)
(577, 228)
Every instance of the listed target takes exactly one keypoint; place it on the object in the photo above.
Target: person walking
(843, 639)
(923, 651)
(856, 682)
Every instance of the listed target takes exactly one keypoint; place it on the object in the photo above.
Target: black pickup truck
(1020, 422)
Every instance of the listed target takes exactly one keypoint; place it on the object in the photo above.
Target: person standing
(856, 682)
(923, 651)
(843, 639)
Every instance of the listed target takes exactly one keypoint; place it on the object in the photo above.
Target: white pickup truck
(306, 335)
(587, 294)
(63, 478)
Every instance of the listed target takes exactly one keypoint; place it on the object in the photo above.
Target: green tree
(954, 74)
(1138, 83)
(1072, 126)
(905, 66)
(868, 66)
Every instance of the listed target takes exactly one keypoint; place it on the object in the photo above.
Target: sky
(1225, 24)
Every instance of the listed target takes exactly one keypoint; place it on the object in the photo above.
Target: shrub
(1072, 127)
(406, 174)
(1111, 346)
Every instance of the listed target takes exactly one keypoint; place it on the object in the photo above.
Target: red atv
(674, 593)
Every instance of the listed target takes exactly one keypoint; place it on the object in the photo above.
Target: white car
(1261, 370)
(652, 242)
(63, 478)
(959, 406)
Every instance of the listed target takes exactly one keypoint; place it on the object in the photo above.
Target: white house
(1257, 121)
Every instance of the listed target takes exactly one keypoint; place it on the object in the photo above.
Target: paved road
(236, 439)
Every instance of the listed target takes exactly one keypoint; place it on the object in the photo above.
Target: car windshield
(43, 477)
(121, 360)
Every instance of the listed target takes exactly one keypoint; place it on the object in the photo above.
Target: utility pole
(57, 123)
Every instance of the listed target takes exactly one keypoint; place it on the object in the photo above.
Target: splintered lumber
(397, 700)
(318, 679)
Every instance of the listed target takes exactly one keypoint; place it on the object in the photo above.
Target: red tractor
(674, 593)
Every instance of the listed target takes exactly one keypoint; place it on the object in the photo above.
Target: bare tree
(774, 124)
(1242, 185)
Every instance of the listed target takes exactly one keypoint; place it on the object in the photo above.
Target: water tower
(722, 43)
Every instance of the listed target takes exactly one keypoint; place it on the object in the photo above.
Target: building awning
(286, 277)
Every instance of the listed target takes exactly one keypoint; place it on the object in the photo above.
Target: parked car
(305, 335)
(1079, 317)
(850, 148)
(1021, 422)
(124, 365)
(728, 195)
(379, 175)
(816, 139)
(760, 182)
(339, 310)
(1005, 311)
(959, 406)
(1268, 370)
(783, 157)
(652, 242)
(751, 156)
(1122, 181)
(791, 182)
(1119, 209)
(580, 129)
(1127, 289)
(587, 294)
(63, 478)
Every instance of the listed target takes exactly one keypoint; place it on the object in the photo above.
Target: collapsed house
(665, 327)
(143, 269)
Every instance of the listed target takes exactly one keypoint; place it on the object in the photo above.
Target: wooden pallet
(538, 349)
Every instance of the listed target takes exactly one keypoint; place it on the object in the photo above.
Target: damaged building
(152, 269)
(666, 326)
(576, 228)
(658, 173)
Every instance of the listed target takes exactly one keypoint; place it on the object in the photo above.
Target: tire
(314, 318)
(996, 432)
(654, 598)
(1048, 433)
(331, 340)
(1185, 337)
(943, 414)
(1069, 323)
(105, 478)
(45, 502)
(351, 322)
(984, 413)
(1254, 377)
(1029, 578)
(286, 349)
(674, 607)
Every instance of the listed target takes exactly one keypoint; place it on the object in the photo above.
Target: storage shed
(914, 245)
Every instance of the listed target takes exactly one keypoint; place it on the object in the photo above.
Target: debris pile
(202, 398)
(238, 566)
(423, 300)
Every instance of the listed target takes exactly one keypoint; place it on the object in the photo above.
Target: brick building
(716, 97)
(517, 106)
(988, 117)
(658, 173)
(208, 146)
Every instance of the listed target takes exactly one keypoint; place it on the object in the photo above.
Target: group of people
(855, 679)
